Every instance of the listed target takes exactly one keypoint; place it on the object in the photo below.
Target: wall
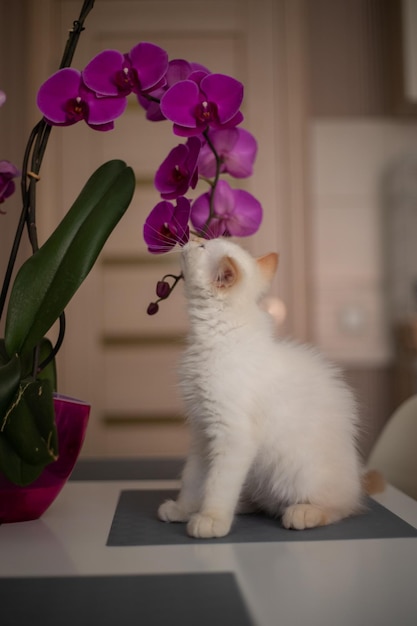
(356, 136)
(13, 131)
(351, 159)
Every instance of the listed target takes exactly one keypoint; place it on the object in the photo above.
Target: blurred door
(115, 356)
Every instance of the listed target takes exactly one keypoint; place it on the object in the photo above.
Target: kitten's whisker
(163, 237)
(208, 232)
(181, 229)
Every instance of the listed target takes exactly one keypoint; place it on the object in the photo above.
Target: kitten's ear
(227, 273)
(268, 265)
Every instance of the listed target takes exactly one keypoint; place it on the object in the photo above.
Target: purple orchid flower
(203, 101)
(7, 187)
(179, 170)
(167, 225)
(236, 213)
(111, 73)
(178, 70)
(236, 148)
(64, 99)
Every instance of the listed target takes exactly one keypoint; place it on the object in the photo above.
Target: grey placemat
(135, 524)
(157, 600)
(127, 469)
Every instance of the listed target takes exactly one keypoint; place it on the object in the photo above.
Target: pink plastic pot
(19, 504)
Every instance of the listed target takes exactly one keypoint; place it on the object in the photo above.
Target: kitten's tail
(373, 482)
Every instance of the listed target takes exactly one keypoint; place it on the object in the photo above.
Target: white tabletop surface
(369, 582)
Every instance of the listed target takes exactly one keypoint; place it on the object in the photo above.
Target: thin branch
(55, 349)
(212, 213)
(34, 153)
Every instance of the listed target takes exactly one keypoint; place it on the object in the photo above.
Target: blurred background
(331, 96)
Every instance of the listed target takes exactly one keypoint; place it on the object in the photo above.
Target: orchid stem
(34, 152)
(213, 183)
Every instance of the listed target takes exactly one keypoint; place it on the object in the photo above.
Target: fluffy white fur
(273, 426)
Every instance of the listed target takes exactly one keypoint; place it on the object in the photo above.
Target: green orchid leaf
(47, 281)
(4, 357)
(10, 372)
(14, 468)
(29, 424)
(41, 405)
(49, 372)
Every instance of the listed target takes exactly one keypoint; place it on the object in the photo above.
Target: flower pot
(19, 504)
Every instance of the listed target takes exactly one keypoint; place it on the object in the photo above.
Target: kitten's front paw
(170, 511)
(301, 516)
(205, 526)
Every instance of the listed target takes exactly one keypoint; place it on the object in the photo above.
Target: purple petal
(178, 171)
(154, 113)
(172, 177)
(102, 127)
(153, 110)
(180, 220)
(102, 110)
(99, 74)
(155, 230)
(223, 142)
(194, 146)
(150, 62)
(184, 131)
(207, 163)
(237, 149)
(8, 169)
(178, 70)
(224, 199)
(52, 96)
(237, 212)
(167, 225)
(234, 121)
(226, 92)
(179, 102)
(7, 172)
(200, 212)
(2, 98)
(197, 67)
(240, 160)
(247, 216)
(7, 188)
(197, 75)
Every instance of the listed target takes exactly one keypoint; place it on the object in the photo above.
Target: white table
(370, 582)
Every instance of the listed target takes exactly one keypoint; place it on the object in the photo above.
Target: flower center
(206, 112)
(178, 174)
(126, 80)
(168, 232)
(76, 109)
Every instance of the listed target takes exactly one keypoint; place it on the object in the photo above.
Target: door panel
(115, 356)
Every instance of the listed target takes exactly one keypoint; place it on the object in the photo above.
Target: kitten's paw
(205, 526)
(301, 516)
(170, 511)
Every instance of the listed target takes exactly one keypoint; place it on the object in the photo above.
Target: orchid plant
(204, 109)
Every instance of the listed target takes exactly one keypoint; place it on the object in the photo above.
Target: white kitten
(272, 424)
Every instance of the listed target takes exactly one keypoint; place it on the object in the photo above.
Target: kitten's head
(219, 268)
